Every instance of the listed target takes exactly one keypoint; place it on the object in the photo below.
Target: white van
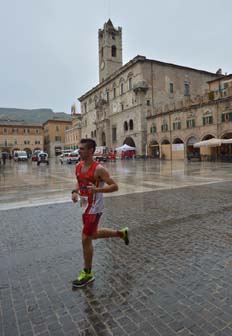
(20, 156)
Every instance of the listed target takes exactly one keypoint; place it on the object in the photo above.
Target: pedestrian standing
(91, 179)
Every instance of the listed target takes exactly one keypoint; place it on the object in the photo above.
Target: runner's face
(85, 152)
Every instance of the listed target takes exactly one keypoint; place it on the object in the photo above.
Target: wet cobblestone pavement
(173, 279)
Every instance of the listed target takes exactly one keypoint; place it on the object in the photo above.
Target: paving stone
(173, 279)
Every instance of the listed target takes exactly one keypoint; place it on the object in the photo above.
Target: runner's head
(87, 148)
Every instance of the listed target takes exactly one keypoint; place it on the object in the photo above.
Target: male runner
(91, 177)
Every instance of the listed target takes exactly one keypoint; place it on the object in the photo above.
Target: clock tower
(110, 50)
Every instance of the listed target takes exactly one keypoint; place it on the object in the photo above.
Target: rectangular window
(26, 142)
(130, 83)
(153, 129)
(164, 127)
(57, 128)
(5, 130)
(148, 102)
(207, 120)
(186, 89)
(190, 123)
(171, 88)
(176, 125)
(121, 88)
(114, 134)
(227, 117)
(36, 131)
(85, 107)
(122, 106)
(58, 138)
(114, 92)
(15, 142)
(14, 130)
(107, 96)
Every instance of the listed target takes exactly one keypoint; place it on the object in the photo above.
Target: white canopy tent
(125, 148)
(227, 141)
(208, 143)
(212, 143)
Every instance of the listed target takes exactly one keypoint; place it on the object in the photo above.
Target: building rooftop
(132, 62)
(7, 122)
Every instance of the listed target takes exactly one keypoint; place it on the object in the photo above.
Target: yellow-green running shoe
(83, 279)
(125, 235)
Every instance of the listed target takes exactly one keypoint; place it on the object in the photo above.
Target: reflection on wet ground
(25, 184)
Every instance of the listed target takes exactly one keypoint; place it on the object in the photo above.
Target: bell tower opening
(109, 50)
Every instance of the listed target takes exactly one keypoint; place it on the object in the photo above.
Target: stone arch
(226, 135)
(190, 149)
(207, 112)
(226, 149)
(207, 137)
(178, 149)
(165, 142)
(165, 149)
(37, 149)
(129, 141)
(177, 141)
(7, 150)
(154, 149)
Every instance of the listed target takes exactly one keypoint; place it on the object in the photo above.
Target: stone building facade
(20, 135)
(115, 111)
(73, 134)
(54, 135)
(174, 128)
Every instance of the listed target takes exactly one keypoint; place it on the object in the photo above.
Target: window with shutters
(190, 123)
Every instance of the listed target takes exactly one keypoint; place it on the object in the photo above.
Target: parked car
(35, 155)
(73, 157)
(69, 158)
(101, 154)
(20, 156)
(63, 157)
(42, 158)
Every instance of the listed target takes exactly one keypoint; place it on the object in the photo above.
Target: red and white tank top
(95, 201)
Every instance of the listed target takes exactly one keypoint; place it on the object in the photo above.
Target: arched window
(125, 126)
(131, 124)
(113, 51)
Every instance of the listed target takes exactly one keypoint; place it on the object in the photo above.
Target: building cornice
(194, 106)
(135, 60)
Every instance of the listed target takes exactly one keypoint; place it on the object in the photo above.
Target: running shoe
(83, 279)
(125, 235)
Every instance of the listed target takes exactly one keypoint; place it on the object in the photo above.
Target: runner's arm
(75, 192)
(104, 176)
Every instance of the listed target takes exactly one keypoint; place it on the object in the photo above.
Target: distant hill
(36, 115)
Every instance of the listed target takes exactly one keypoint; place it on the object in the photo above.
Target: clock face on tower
(102, 65)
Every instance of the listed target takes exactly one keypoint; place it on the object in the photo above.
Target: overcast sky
(49, 48)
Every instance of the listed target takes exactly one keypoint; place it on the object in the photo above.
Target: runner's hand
(91, 188)
(74, 197)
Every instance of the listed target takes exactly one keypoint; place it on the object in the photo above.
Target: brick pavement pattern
(173, 279)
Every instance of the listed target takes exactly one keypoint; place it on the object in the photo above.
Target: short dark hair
(90, 143)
